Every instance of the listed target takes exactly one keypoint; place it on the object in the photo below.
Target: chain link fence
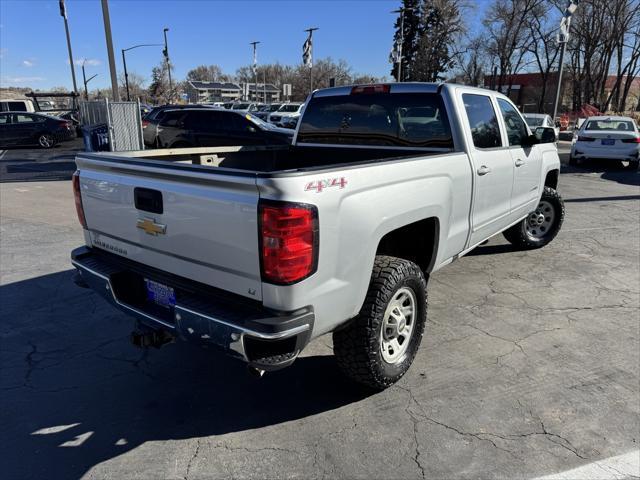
(122, 120)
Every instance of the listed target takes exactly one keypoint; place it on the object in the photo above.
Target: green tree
(412, 14)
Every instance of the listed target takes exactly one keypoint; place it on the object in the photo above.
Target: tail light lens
(78, 197)
(288, 241)
(631, 140)
(145, 123)
(585, 139)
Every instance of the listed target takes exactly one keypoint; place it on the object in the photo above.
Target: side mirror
(545, 135)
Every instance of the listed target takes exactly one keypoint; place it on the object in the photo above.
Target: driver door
(527, 161)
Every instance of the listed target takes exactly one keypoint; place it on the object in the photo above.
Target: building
(209, 92)
(267, 92)
(525, 90)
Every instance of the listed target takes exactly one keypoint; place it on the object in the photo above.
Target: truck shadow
(75, 393)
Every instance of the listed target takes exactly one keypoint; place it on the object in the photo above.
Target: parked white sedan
(611, 138)
(535, 120)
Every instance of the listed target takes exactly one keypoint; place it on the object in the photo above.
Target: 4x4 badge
(320, 185)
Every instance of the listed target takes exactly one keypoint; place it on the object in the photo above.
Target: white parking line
(622, 466)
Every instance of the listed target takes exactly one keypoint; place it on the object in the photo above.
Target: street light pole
(63, 13)
(124, 63)
(401, 11)
(255, 70)
(563, 38)
(85, 81)
(166, 56)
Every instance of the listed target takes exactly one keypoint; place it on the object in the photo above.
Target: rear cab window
(483, 122)
(377, 119)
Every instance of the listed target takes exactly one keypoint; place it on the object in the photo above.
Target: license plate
(608, 141)
(160, 294)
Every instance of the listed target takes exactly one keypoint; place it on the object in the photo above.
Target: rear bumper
(243, 329)
(580, 151)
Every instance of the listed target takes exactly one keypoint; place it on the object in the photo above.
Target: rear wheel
(378, 346)
(540, 226)
(46, 140)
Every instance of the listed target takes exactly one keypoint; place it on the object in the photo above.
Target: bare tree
(508, 38)
(541, 28)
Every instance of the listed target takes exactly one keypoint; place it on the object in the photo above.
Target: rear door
(527, 161)
(199, 225)
(492, 167)
(24, 128)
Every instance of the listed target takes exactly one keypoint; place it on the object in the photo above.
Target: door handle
(483, 170)
(519, 162)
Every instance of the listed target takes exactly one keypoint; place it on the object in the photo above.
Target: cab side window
(482, 120)
(516, 128)
(4, 119)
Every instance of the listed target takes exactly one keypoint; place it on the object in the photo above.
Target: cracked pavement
(529, 366)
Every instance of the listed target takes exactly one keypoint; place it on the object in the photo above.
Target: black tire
(633, 165)
(518, 234)
(46, 140)
(357, 346)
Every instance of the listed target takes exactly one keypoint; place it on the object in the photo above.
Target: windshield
(534, 121)
(273, 107)
(609, 125)
(289, 108)
(240, 106)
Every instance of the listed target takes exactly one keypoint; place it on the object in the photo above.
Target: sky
(33, 50)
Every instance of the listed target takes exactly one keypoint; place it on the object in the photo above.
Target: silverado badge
(151, 227)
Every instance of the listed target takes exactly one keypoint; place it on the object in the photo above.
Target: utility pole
(255, 69)
(563, 38)
(85, 81)
(112, 60)
(401, 11)
(124, 63)
(166, 57)
(307, 54)
(63, 13)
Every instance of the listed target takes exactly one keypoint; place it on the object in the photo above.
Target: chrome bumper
(247, 332)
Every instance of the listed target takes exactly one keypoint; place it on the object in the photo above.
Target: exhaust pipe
(150, 338)
(255, 371)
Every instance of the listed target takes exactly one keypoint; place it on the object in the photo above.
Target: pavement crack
(191, 460)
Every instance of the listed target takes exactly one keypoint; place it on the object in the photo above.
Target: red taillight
(145, 123)
(585, 139)
(65, 124)
(288, 241)
(369, 89)
(631, 140)
(78, 197)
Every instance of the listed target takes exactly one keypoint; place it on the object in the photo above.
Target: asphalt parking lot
(530, 367)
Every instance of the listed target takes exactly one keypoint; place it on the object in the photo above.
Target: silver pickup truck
(258, 250)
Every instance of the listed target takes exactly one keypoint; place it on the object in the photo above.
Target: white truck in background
(258, 250)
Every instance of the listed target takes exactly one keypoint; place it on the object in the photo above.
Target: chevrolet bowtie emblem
(151, 227)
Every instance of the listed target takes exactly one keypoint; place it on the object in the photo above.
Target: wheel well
(552, 179)
(417, 242)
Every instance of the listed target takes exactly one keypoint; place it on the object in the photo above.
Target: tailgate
(204, 227)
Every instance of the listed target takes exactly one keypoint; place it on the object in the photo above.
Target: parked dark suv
(22, 128)
(150, 121)
(207, 127)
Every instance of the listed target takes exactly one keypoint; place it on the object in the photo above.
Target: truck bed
(263, 160)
